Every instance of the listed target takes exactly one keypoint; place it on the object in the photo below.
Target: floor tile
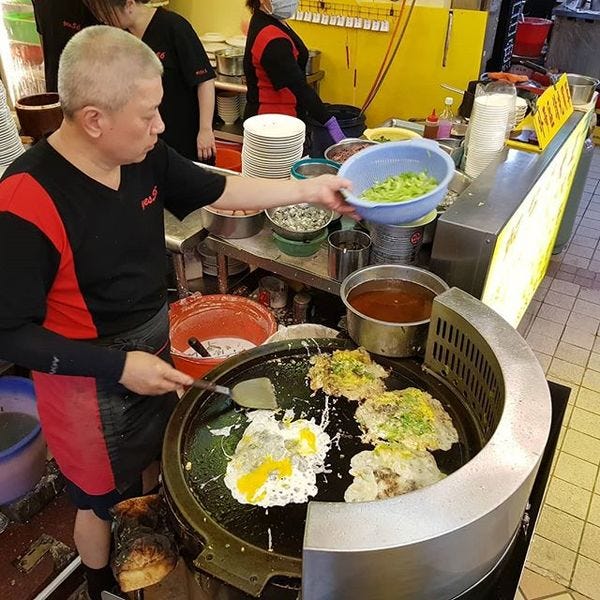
(542, 343)
(560, 300)
(591, 380)
(560, 527)
(590, 296)
(586, 578)
(576, 261)
(587, 308)
(586, 422)
(544, 360)
(576, 470)
(566, 371)
(583, 322)
(568, 497)
(572, 354)
(594, 361)
(555, 314)
(582, 251)
(588, 400)
(547, 328)
(590, 543)
(594, 514)
(558, 562)
(578, 337)
(587, 242)
(562, 287)
(536, 586)
(582, 445)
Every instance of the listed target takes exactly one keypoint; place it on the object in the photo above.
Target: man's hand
(324, 190)
(149, 375)
(205, 144)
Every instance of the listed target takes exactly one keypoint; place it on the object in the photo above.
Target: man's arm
(206, 103)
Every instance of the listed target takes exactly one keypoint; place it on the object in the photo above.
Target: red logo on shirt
(201, 72)
(148, 200)
(161, 55)
(74, 26)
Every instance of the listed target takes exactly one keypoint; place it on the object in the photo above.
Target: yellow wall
(412, 86)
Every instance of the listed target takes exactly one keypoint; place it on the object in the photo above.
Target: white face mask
(283, 9)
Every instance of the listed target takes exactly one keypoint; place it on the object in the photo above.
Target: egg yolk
(308, 442)
(250, 484)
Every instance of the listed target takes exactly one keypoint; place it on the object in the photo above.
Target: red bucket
(531, 36)
(228, 158)
(211, 317)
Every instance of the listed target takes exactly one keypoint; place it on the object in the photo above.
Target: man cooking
(82, 273)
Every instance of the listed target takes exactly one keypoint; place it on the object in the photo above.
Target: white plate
(238, 41)
(212, 47)
(212, 37)
(275, 126)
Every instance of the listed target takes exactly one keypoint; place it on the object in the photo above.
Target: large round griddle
(247, 545)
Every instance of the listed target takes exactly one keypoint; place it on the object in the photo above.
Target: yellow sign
(553, 108)
(523, 248)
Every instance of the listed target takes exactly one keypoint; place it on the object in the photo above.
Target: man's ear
(92, 120)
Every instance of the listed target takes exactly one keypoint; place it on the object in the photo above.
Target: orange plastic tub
(215, 317)
(229, 158)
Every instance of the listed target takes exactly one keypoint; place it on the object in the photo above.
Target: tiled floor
(562, 327)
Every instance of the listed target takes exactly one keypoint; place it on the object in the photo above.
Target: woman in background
(189, 91)
(57, 21)
(275, 67)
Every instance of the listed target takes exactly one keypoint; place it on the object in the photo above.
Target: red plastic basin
(215, 316)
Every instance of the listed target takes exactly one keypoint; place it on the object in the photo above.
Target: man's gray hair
(101, 66)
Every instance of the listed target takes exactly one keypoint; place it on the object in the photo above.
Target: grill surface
(287, 367)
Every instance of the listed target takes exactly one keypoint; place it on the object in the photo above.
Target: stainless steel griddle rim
(484, 484)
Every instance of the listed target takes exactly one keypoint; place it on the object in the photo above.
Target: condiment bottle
(432, 126)
(446, 119)
(300, 307)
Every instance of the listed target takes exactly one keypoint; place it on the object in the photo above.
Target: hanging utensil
(255, 393)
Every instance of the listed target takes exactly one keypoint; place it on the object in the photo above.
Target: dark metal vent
(473, 372)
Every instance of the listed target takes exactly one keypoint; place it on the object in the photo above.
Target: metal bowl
(460, 182)
(232, 226)
(307, 168)
(344, 144)
(383, 337)
(230, 61)
(297, 236)
(582, 88)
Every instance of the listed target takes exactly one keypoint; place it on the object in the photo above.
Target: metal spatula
(253, 393)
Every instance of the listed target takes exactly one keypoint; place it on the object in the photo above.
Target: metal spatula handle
(211, 387)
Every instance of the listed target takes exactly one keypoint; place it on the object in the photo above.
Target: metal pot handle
(244, 566)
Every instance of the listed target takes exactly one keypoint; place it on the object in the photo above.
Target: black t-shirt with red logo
(81, 261)
(57, 22)
(186, 65)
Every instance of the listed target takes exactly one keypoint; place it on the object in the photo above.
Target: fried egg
(410, 417)
(349, 373)
(390, 470)
(277, 462)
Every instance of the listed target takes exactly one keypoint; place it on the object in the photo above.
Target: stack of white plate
(272, 144)
(237, 41)
(487, 132)
(10, 142)
(228, 107)
(211, 37)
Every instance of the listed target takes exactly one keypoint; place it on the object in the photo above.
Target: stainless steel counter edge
(492, 199)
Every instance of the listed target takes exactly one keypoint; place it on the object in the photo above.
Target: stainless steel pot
(388, 339)
(232, 226)
(297, 236)
(582, 87)
(230, 61)
(313, 64)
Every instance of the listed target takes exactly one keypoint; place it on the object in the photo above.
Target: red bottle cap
(432, 118)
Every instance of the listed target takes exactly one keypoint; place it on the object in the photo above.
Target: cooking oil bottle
(432, 126)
